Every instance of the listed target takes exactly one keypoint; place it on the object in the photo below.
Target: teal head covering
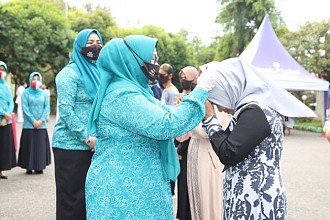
(119, 69)
(5, 91)
(35, 92)
(4, 65)
(86, 70)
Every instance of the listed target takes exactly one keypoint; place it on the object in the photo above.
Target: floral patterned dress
(125, 179)
(253, 188)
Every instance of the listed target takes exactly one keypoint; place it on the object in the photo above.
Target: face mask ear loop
(133, 52)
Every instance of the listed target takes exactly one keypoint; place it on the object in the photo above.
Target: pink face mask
(3, 74)
(35, 84)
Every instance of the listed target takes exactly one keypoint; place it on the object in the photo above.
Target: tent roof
(266, 52)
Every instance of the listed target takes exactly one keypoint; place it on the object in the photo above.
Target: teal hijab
(119, 69)
(4, 65)
(35, 92)
(5, 92)
(86, 70)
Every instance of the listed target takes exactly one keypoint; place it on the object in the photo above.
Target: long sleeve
(155, 121)
(26, 108)
(46, 109)
(74, 106)
(35, 107)
(67, 90)
(6, 107)
(3, 107)
(250, 130)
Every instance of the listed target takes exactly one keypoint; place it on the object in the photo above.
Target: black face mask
(151, 71)
(187, 85)
(163, 79)
(92, 52)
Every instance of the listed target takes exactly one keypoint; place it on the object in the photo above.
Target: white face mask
(3, 74)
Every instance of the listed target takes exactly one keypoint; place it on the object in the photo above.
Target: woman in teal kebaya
(134, 156)
(76, 85)
(7, 148)
(34, 152)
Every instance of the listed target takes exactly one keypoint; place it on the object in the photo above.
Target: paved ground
(306, 170)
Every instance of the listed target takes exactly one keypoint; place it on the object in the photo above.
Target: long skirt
(71, 168)
(204, 178)
(183, 210)
(34, 152)
(7, 148)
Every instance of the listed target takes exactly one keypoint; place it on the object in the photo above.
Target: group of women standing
(113, 142)
(34, 151)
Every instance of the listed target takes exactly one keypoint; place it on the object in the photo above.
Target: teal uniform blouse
(6, 100)
(125, 179)
(74, 105)
(35, 108)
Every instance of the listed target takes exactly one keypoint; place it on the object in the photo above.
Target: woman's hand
(178, 99)
(35, 124)
(40, 122)
(90, 141)
(206, 81)
(7, 116)
(3, 122)
(209, 109)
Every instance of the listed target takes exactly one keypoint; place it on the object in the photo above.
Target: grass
(317, 124)
(309, 125)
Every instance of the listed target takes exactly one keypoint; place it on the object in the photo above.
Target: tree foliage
(240, 20)
(310, 46)
(36, 35)
(32, 37)
(99, 19)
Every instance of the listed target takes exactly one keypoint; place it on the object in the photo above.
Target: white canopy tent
(266, 53)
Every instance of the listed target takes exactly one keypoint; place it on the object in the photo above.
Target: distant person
(251, 147)
(328, 114)
(134, 151)
(76, 85)
(205, 174)
(326, 130)
(7, 145)
(200, 180)
(34, 152)
(170, 92)
(44, 87)
(188, 80)
(18, 101)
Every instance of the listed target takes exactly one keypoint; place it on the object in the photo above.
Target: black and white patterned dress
(252, 185)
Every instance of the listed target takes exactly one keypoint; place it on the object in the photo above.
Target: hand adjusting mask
(151, 71)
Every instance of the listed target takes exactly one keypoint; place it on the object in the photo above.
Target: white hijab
(238, 82)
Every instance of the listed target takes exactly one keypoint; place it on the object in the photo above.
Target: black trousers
(71, 168)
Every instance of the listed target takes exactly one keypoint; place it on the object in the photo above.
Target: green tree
(310, 46)
(240, 20)
(99, 19)
(33, 37)
(203, 54)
